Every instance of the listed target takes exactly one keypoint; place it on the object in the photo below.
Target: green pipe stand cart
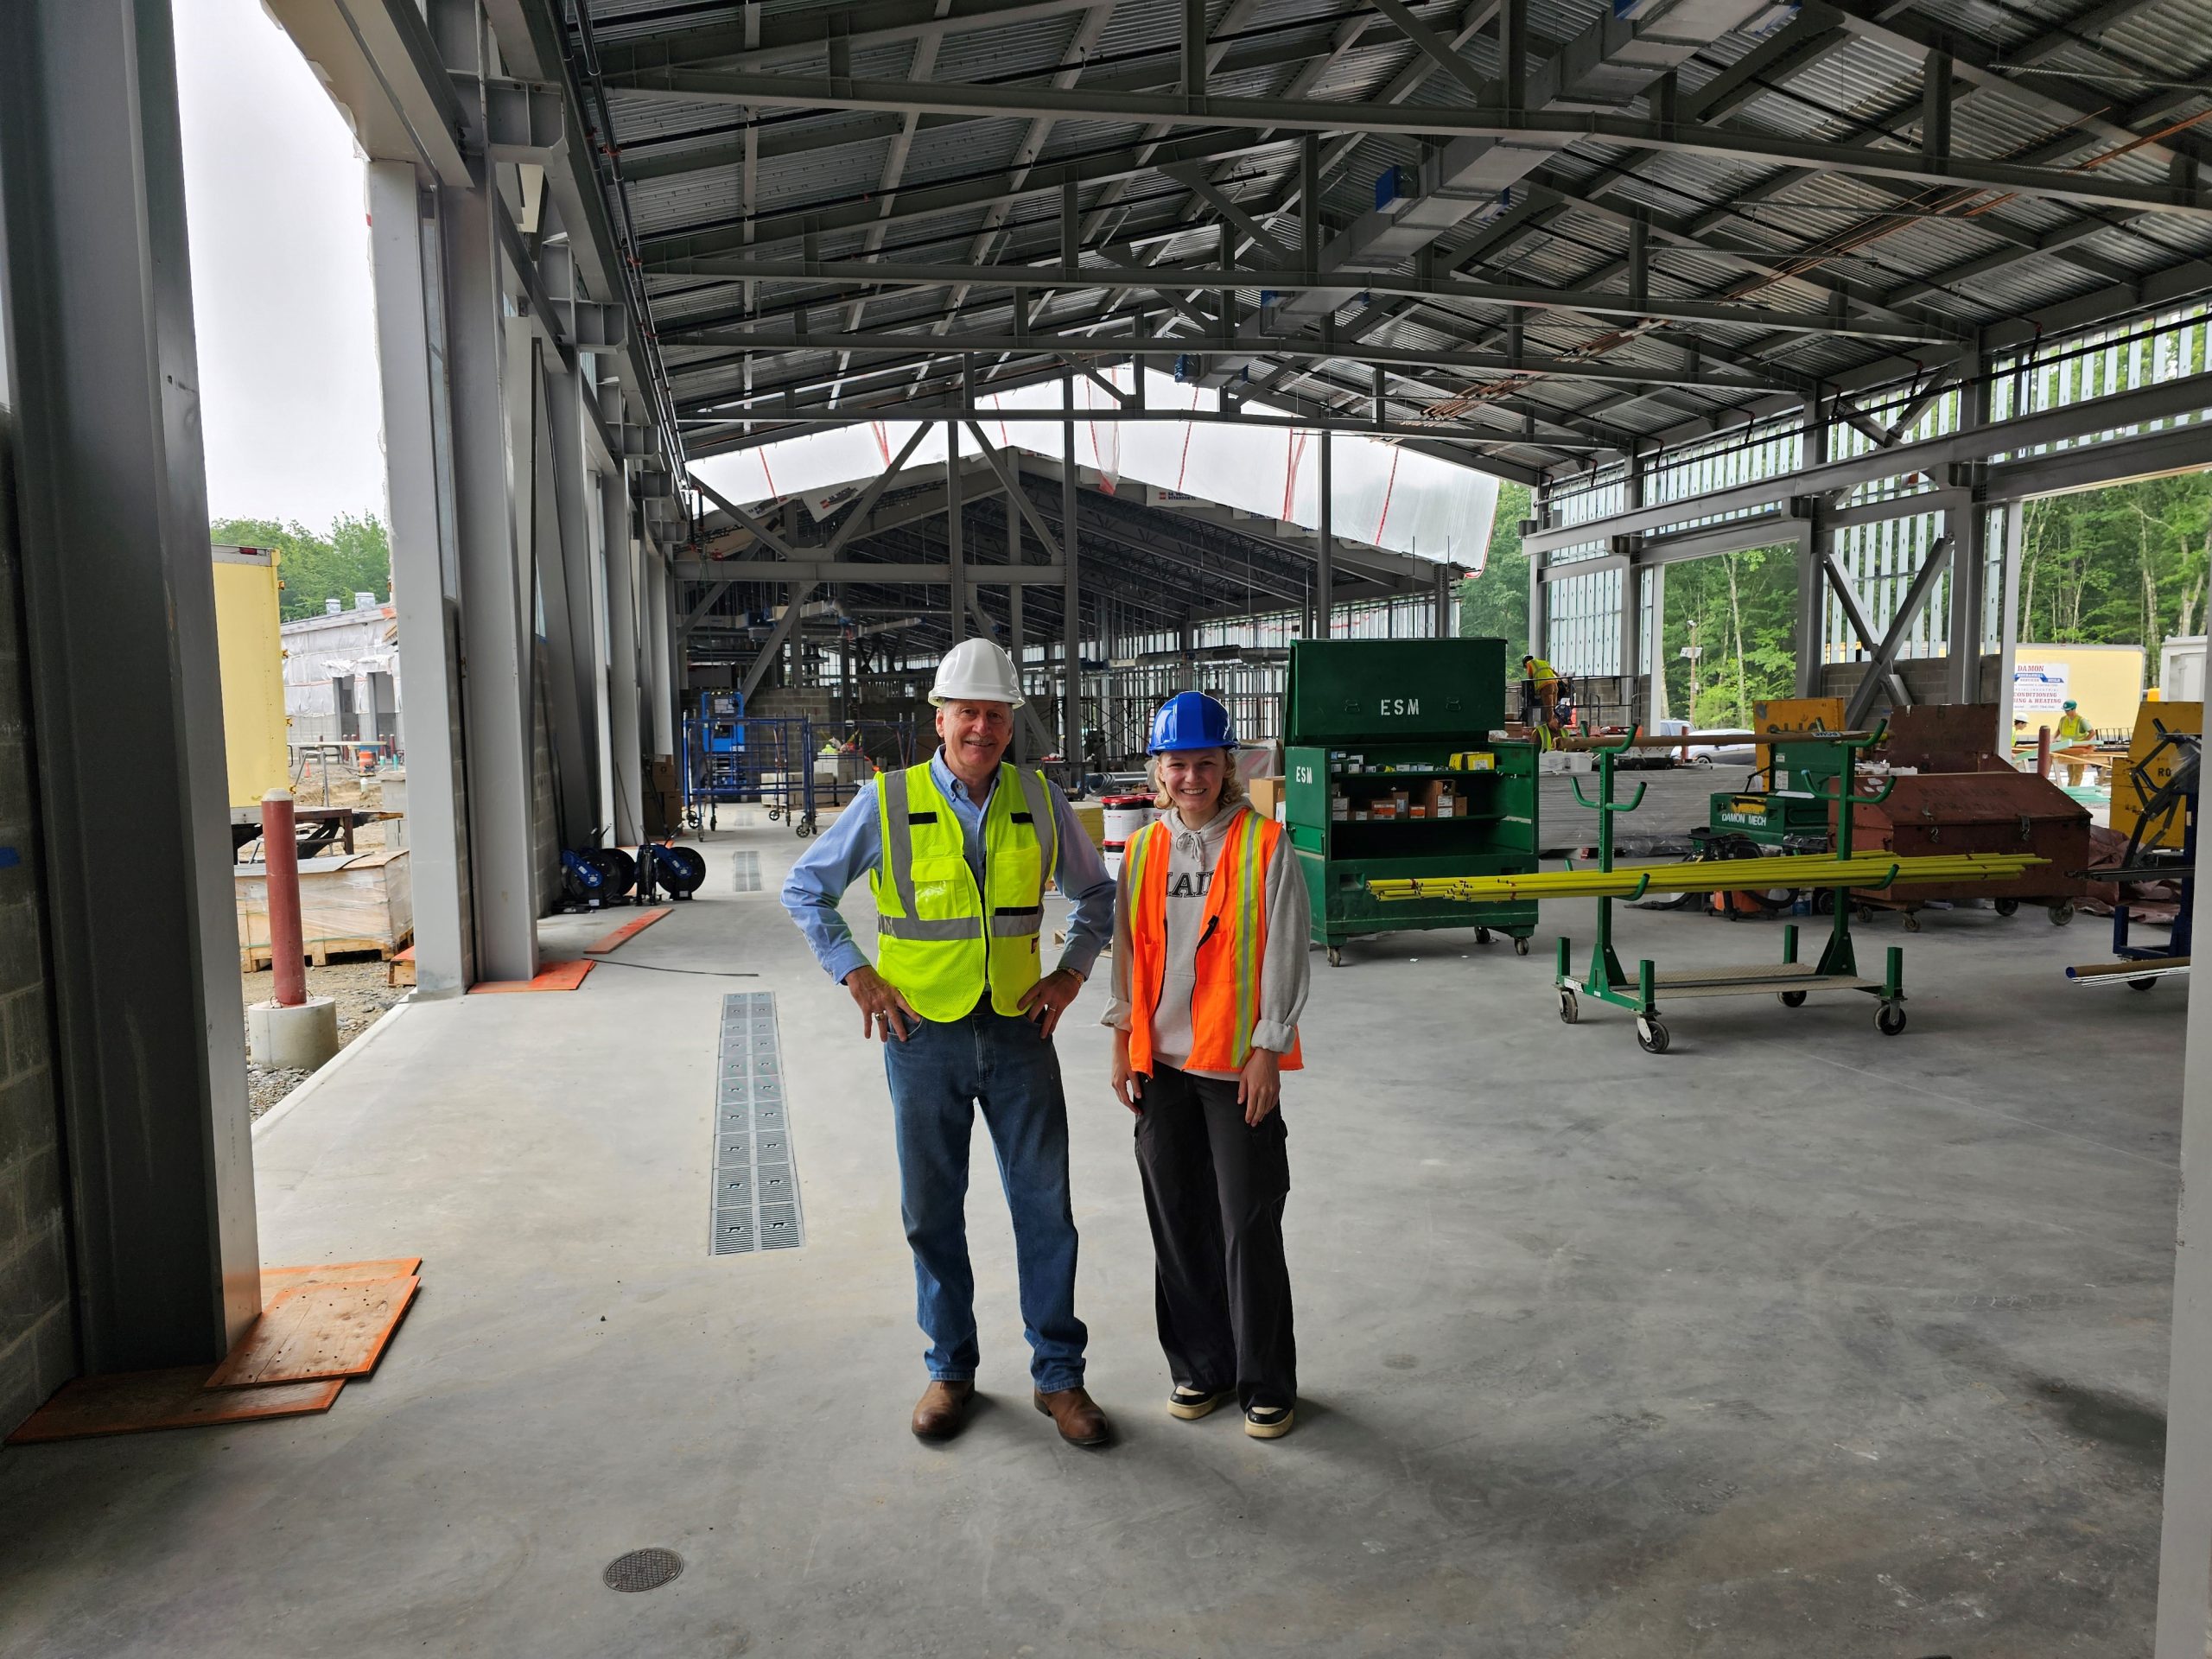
(1790, 979)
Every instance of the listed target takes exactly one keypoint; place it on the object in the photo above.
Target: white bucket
(1125, 816)
(1111, 853)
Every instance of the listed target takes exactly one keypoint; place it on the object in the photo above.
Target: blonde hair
(1232, 786)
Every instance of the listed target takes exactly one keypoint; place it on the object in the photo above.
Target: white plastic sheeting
(1386, 496)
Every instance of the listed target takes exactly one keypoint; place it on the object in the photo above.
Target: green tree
(355, 557)
(1494, 604)
(1738, 610)
(2123, 566)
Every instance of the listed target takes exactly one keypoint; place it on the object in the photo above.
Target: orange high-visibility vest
(1232, 941)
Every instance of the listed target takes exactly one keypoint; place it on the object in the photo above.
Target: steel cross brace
(1883, 665)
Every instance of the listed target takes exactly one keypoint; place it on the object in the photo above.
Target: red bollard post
(2043, 750)
(280, 857)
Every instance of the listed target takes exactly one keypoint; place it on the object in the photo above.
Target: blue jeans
(938, 1076)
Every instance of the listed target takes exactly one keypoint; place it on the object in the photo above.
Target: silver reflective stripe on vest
(1041, 820)
(900, 851)
(1012, 922)
(909, 927)
(898, 847)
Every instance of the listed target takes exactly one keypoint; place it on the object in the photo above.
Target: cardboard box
(664, 780)
(1266, 795)
(663, 814)
(350, 904)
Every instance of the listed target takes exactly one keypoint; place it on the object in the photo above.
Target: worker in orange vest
(1211, 931)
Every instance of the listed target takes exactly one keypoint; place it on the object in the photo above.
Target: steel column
(1969, 562)
(626, 741)
(2184, 1617)
(956, 600)
(1027, 722)
(404, 241)
(1811, 629)
(495, 620)
(1071, 594)
(560, 559)
(1629, 644)
(2008, 617)
(1539, 589)
(1324, 571)
(600, 697)
(1816, 540)
(672, 674)
(111, 505)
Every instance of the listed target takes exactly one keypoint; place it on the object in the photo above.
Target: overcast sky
(280, 275)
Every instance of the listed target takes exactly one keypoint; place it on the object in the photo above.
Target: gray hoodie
(1191, 854)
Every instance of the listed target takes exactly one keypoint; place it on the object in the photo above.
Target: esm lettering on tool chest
(1399, 706)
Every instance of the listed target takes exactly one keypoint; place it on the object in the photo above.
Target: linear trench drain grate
(642, 1569)
(745, 872)
(755, 1205)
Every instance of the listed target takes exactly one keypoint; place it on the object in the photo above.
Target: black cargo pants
(1214, 1191)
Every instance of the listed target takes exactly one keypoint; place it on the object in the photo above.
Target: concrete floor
(1797, 1340)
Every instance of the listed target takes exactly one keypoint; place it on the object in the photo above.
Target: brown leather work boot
(942, 1410)
(1079, 1420)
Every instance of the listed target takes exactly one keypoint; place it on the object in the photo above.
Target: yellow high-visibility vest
(940, 940)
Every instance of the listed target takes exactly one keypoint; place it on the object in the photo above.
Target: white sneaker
(1190, 1404)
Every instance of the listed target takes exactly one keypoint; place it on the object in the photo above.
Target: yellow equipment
(251, 654)
(1781, 717)
(1861, 870)
(2143, 747)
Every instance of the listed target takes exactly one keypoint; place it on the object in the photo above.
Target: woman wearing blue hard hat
(1209, 976)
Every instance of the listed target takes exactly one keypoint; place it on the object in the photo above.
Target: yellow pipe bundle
(1865, 870)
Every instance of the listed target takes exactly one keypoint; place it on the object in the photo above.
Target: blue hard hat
(1190, 720)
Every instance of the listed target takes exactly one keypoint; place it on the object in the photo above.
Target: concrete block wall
(38, 1336)
(791, 703)
(1923, 677)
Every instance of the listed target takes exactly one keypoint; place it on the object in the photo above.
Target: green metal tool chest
(1376, 729)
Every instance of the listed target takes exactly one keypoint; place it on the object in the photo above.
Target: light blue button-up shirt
(853, 846)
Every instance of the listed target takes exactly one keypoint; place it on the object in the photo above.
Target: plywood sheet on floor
(132, 1402)
(554, 976)
(276, 1280)
(317, 1331)
(628, 931)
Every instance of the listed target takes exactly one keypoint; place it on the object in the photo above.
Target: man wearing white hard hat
(958, 852)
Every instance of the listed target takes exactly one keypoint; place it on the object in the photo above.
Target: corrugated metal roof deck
(1726, 228)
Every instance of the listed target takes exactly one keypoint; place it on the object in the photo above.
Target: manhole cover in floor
(643, 1569)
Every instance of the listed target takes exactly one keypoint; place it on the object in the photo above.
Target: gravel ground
(362, 995)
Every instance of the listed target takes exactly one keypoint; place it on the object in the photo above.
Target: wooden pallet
(257, 958)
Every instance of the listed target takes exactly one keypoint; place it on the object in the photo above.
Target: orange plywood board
(554, 976)
(133, 1402)
(276, 1280)
(629, 930)
(316, 1331)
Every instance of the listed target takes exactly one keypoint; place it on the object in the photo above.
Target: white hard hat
(976, 670)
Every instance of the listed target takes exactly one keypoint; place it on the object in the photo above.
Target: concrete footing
(292, 1039)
